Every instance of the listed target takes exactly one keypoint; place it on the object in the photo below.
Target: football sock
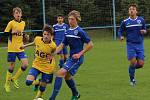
(9, 75)
(61, 62)
(19, 73)
(57, 86)
(71, 84)
(131, 72)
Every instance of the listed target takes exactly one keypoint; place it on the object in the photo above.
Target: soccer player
(75, 37)
(14, 31)
(59, 33)
(135, 28)
(41, 64)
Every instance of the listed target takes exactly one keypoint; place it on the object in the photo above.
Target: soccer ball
(39, 99)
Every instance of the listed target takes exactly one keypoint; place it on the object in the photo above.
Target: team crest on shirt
(64, 27)
(76, 32)
(139, 21)
(128, 23)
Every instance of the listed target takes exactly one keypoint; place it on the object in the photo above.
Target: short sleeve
(8, 27)
(84, 36)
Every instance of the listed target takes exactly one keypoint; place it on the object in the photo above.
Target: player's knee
(62, 72)
(29, 82)
(11, 70)
(140, 64)
(42, 88)
(23, 68)
(68, 77)
(133, 62)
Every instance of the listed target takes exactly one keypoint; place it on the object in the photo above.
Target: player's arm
(59, 48)
(8, 29)
(26, 45)
(89, 44)
(121, 30)
(143, 31)
(87, 47)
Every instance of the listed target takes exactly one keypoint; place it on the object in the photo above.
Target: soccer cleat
(7, 87)
(35, 88)
(15, 83)
(75, 97)
(133, 83)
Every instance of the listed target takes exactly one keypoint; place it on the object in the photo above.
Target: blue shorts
(72, 65)
(64, 50)
(135, 51)
(11, 57)
(47, 78)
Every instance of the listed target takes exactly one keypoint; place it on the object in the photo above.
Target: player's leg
(65, 53)
(71, 66)
(70, 81)
(23, 58)
(140, 57)
(58, 82)
(61, 60)
(11, 59)
(33, 73)
(46, 78)
(71, 84)
(131, 53)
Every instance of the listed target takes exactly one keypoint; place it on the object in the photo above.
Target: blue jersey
(132, 28)
(59, 31)
(75, 38)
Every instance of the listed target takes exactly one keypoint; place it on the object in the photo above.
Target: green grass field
(103, 76)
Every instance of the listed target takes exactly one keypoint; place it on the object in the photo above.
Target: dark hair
(133, 5)
(48, 28)
(60, 15)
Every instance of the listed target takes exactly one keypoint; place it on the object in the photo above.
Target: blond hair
(76, 14)
(17, 9)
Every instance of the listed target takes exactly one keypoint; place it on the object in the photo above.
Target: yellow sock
(39, 94)
(8, 77)
(35, 82)
(18, 74)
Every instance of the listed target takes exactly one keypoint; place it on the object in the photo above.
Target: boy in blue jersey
(135, 28)
(59, 33)
(75, 37)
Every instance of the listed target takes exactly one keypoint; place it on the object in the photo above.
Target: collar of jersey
(133, 19)
(73, 28)
(18, 21)
(60, 24)
(44, 42)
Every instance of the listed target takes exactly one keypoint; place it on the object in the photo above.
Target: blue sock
(61, 63)
(57, 86)
(71, 84)
(131, 72)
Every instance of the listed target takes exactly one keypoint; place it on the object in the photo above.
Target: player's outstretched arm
(58, 49)
(29, 44)
(86, 48)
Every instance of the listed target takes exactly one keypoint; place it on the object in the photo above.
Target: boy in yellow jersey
(42, 64)
(14, 31)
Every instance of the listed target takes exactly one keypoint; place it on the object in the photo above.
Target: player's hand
(49, 57)
(22, 47)
(121, 38)
(76, 56)
(143, 31)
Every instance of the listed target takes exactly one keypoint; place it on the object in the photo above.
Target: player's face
(72, 21)
(46, 36)
(60, 19)
(17, 15)
(132, 11)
